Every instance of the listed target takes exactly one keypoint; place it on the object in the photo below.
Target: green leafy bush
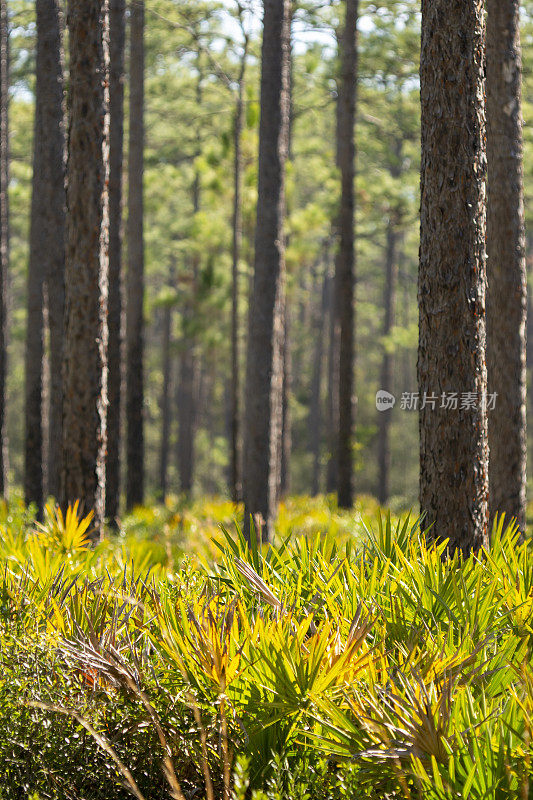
(369, 665)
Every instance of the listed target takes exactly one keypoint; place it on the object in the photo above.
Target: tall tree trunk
(345, 262)
(165, 401)
(188, 374)
(189, 368)
(134, 315)
(264, 367)
(235, 450)
(451, 287)
(85, 373)
(286, 417)
(285, 442)
(405, 281)
(332, 407)
(506, 270)
(47, 259)
(117, 36)
(54, 154)
(315, 416)
(33, 361)
(4, 234)
(387, 371)
(45, 402)
(187, 415)
(529, 337)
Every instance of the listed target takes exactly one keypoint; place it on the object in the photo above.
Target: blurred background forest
(193, 53)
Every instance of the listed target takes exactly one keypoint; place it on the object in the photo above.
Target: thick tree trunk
(134, 315)
(117, 35)
(315, 406)
(47, 260)
(165, 401)
(264, 362)
(235, 449)
(451, 288)
(387, 364)
(54, 159)
(506, 269)
(4, 234)
(85, 374)
(345, 261)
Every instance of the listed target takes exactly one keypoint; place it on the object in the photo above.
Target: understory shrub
(379, 668)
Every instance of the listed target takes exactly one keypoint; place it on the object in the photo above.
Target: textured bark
(315, 405)
(285, 441)
(117, 35)
(332, 406)
(134, 315)
(506, 266)
(529, 343)
(387, 364)
(4, 234)
(85, 374)
(235, 449)
(45, 401)
(33, 361)
(54, 158)
(286, 417)
(264, 362)
(165, 401)
(451, 288)
(529, 276)
(47, 261)
(345, 261)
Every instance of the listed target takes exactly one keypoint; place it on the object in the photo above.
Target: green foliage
(369, 666)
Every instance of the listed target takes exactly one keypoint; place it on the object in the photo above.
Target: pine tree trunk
(4, 235)
(387, 364)
(54, 158)
(265, 345)
(47, 260)
(286, 418)
(506, 266)
(85, 374)
(165, 402)
(117, 35)
(188, 375)
(33, 362)
(235, 450)
(451, 288)
(285, 443)
(189, 368)
(315, 406)
(135, 316)
(45, 401)
(332, 406)
(529, 337)
(187, 416)
(345, 261)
